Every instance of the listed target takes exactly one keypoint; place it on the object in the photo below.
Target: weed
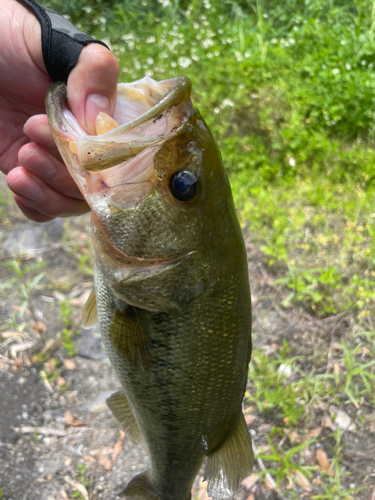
(24, 282)
(285, 467)
(332, 485)
(272, 391)
(81, 470)
(67, 317)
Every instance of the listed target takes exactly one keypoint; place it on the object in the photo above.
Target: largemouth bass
(171, 283)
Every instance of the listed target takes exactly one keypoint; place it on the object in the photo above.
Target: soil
(58, 438)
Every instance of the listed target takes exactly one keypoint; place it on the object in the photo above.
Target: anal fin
(123, 413)
(90, 313)
(230, 463)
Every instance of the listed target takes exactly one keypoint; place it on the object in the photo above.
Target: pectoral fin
(229, 464)
(128, 338)
(123, 413)
(89, 313)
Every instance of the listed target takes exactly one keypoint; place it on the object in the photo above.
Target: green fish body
(171, 285)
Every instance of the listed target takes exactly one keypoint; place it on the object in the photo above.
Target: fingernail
(31, 192)
(95, 104)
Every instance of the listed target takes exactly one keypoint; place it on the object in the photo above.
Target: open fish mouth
(117, 164)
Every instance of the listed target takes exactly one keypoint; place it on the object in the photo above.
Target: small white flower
(348, 66)
(207, 43)
(227, 102)
(292, 163)
(336, 71)
(343, 42)
(216, 111)
(152, 39)
(184, 62)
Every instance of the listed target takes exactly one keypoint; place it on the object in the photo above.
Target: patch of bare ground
(58, 439)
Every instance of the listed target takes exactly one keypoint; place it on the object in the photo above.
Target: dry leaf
(268, 484)
(51, 363)
(327, 422)
(105, 462)
(122, 435)
(336, 369)
(337, 346)
(116, 449)
(69, 364)
(77, 423)
(89, 459)
(68, 417)
(78, 486)
(60, 381)
(63, 494)
(303, 482)
(314, 433)
(38, 326)
(323, 461)
(294, 437)
(250, 497)
(105, 450)
(7, 334)
(17, 363)
(249, 419)
(249, 482)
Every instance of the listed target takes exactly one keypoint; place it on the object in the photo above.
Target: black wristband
(62, 42)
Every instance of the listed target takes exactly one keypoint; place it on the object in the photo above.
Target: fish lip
(56, 101)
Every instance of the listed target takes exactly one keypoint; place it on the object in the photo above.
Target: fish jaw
(117, 167)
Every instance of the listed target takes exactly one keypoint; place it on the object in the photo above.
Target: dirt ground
(58, 439)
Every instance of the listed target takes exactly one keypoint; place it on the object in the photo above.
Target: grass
(288, 90)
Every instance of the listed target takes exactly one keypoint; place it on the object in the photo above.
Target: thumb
(92, 85)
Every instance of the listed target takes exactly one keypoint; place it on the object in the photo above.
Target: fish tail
(140, 488)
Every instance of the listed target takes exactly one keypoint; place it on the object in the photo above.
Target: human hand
(42, 185)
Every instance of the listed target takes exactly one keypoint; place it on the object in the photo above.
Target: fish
(172, 293)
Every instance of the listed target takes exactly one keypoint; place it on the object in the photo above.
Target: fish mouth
(117, 164)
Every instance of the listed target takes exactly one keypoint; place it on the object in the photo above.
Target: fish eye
(183, 185)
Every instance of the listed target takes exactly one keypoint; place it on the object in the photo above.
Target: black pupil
(183, 185)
